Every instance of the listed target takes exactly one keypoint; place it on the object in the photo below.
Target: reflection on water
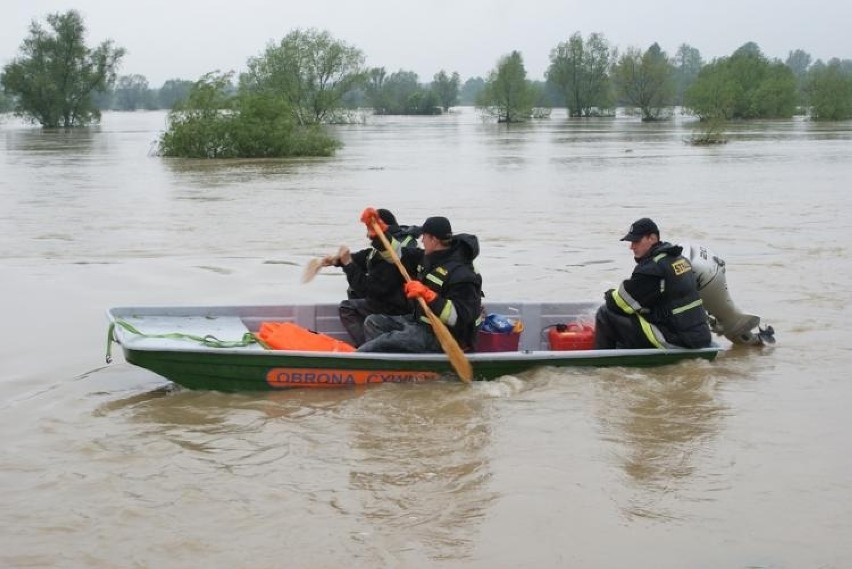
(407, 463)
(661, 426)
(422, 473)
(239, 429)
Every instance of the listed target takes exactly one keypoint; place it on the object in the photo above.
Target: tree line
(310, 79)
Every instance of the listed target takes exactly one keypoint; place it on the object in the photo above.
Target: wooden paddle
(457, 358)
(314, 265)
(311, 270)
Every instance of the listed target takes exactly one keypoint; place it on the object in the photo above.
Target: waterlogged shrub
(241, 136)
(311, 141)
(829, 90)
(211, 124)
(192, 135)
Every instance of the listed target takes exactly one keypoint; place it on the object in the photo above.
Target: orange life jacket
(289, 336)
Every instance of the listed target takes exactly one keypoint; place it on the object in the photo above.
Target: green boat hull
(162, 340)
(235, 372)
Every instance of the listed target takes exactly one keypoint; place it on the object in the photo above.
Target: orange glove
(414, 289)
(368, 217)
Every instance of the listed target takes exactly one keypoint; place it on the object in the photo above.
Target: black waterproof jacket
(663, 291)
(373, 276)
(451, 274)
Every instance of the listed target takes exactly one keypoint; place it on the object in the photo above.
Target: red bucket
(497, 342)
(572, 337)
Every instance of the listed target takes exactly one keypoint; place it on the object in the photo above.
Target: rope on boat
(110, 339)
(208, 340)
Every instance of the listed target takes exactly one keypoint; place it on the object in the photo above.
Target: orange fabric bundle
(289, 336)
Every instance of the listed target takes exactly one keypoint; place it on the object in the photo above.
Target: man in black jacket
(375, 284)
(659, 305)
(447, 281)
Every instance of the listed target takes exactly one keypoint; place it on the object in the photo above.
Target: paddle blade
(311, 270)
(458, 360)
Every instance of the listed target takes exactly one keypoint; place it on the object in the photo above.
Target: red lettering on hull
(319, 377)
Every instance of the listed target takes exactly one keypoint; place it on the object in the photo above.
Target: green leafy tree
(55, 75)
(375, 93)
(581, 72)
(446, 87)
(400, 93)
(311, 70)
(263, 127)
(398, 89)
(644, 80)
(799, 61)
(423, 102)
(745, 85)
(173, 91)
(766, 89)
(470, 90)
(777, 96)
(713, 94)
(687, 65)
(829, 91)
(508, 95)
(542, 102)
(131, 93)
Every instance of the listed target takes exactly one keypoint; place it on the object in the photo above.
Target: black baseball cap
(386, 216)
(641, 228)
(438, 227)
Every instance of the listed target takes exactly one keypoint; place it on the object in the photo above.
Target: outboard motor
(725, 318)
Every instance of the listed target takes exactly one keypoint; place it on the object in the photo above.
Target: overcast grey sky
(184, 39)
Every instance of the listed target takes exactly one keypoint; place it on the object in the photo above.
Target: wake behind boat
(216, 347)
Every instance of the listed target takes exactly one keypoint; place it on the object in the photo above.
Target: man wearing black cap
(375, 284)
(447, 281)
(659, 305)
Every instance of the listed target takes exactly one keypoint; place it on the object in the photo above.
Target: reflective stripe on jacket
(662, 293)
(450, 273)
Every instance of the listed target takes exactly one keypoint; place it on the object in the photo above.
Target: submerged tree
(799, 61)
(56, 75)
(767, 88)
(399, 89)
(446, 88)
(829, 90)
(470, 90)
(311, 70)
(707, 132)
(375, 93)
(581, 72)
(745, 85)
(687, 64)
(400, 93)
(172, 91)
(644, 80)
(131, 93)
(508, 95)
